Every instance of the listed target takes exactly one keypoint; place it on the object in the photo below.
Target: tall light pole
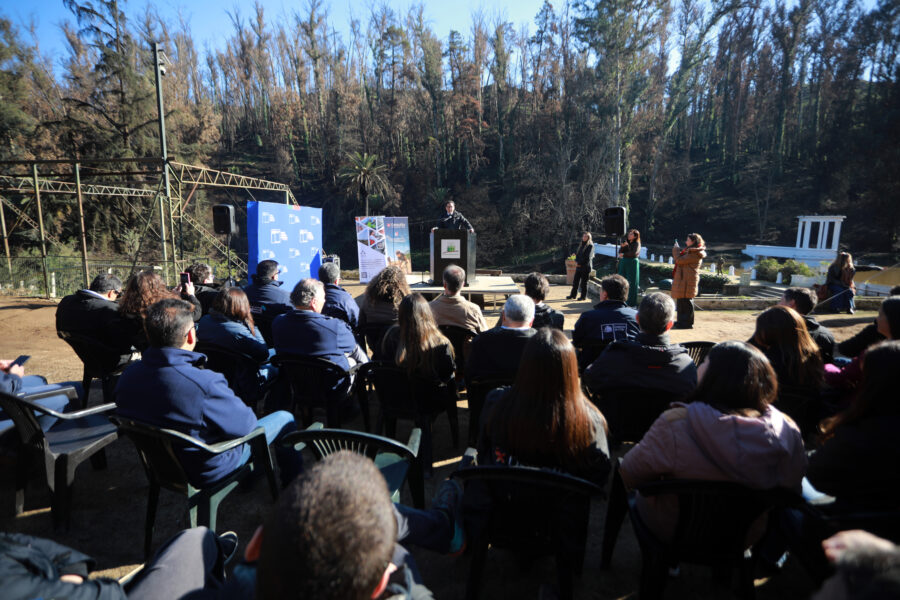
(161, 61)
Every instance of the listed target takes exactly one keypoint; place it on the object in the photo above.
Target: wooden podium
(452, 247)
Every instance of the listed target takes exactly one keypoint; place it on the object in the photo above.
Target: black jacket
(454, 221)
(497, 352)
(544, 316)
(206, 294)
(30, 568)
(610, 321)
(822, 336)
(584, 256)
(648, 361)
(84, 313)
(852, 347)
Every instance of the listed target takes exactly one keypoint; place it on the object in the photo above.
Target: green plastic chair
(398, 462)
(156, 447)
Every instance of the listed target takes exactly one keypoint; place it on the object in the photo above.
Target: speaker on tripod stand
(223, 223)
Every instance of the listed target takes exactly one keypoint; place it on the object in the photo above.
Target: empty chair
(317, 382)
(698, 350)
(398, 462)
(74, 438)
(534, 512)
(100, 362)
(404, 396)
(157, 449)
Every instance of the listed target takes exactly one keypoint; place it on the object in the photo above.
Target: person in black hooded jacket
(648, 361)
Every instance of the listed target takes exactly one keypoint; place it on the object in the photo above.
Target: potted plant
(571, 265)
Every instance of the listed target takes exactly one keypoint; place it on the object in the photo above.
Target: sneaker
(448, 499)
(228, 545)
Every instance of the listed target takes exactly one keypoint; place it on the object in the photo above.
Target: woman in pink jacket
(730, 432)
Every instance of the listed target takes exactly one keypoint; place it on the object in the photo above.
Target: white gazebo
(818, 238)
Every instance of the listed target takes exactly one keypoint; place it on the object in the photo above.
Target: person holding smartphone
(686, 278)
(14, 382)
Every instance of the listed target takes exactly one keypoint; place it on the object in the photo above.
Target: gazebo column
(800, 226)
(836, 236)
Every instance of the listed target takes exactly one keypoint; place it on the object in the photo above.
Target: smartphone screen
(185, 278)
(21, 360)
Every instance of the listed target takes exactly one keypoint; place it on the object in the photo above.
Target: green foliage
(768, 269)
(709, 283)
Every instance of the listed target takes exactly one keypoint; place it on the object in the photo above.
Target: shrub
(768, 270)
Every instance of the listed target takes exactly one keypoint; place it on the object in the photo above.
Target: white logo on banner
(277, 236)
(293, 219)
(304, 266)
(315, 220)
(305, 236)
(267, 254)
(267, 218)
(293, 253)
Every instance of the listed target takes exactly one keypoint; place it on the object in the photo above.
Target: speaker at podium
(452, 247)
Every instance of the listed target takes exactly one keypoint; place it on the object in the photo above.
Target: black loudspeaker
(223, 219)
(614, 220)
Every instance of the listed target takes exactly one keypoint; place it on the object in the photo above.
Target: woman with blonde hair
(381, 300)
(840, 283)
(143, 289)
(686, 278)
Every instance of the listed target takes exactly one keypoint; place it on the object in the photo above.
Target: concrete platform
(484, 285)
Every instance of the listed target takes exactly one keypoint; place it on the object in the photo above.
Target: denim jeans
(277, 425)
(32, 384)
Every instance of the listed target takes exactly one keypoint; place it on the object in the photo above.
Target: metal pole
(40, 216)
(84, 255)
(165, 156)
(5, 240)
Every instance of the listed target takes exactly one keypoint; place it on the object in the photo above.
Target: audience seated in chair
(332, 536)
(14, 382)
(887, 326)
(416, 344)
(267, 298)
(450, 308)
(729, 432)
(205, 287)
(338, 302)
(94, 312)
(803, 300)
(648, 361)
(230, 325)
(860, 443)
(191, 563)
(497, 351)
(855, 345)
(142, 290)
(611, 319)
(538, 288)
(167, 388)
(378, 309)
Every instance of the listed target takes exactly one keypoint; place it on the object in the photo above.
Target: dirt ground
(108, 506)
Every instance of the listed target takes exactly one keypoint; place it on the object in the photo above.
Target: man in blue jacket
(167, 388)
(267, 298)
(338, 302)
(611, 320)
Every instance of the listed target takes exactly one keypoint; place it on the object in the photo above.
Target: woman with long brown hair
(839, 281)
(782, 336)
(381, 300)
(544, 419)
(686, 278)
(629, 266)
(584, 263)
(417, 344)
(143, 289)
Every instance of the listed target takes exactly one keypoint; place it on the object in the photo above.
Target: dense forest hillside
(728, 117)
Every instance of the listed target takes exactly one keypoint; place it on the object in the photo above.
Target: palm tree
(362, 176)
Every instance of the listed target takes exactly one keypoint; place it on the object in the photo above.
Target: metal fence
(24, 275)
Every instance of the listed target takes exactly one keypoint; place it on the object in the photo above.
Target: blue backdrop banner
(289, 234)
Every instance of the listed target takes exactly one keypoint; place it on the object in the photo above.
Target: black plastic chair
(803, 405)
(698, 350)
(460, 338)
(714, 520)
(532, 511)
(156, 447)
(373, 333)
(588, 351)
(317, 382)
(631, 411)
(398, 462)
(74, 438)
(100, 362)
(415, 398)
(234, 366)
(476, 393)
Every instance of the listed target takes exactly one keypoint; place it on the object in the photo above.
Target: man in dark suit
(451, 219)
(93, 312)
(611, 320)
(537, 287)
(497, 351)
(338, 302)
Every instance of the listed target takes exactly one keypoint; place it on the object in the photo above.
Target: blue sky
(210, 23)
